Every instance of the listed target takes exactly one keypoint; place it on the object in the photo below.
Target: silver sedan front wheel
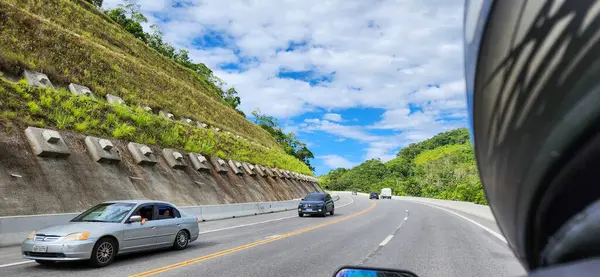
(104, 252)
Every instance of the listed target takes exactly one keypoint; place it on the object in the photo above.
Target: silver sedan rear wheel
(182, 240)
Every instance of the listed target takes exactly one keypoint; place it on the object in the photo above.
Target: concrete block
(46, 143)
(80, 90)
(186, 120)
(249, 168)
(101, 150)
(269, 171)
(113, 99)
(145, 108)
(201, 124)
(293, 175)
(259, 169)
(216, 129)
(236, 167)
(166, 114)
(142, 154)
(282, 173)
(199, 162)
(174, 158)
(37, 79)
(229, 133)
(219, 164)
(51, 136)
(278, 173)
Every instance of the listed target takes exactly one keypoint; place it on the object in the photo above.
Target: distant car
(316, 203)
(386, 193)
(373, 195)
(354, 193)
(112, 228)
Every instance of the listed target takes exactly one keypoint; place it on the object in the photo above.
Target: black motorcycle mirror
(359, 271)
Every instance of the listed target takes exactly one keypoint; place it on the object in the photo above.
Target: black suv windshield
(105, 212)
(314, 197)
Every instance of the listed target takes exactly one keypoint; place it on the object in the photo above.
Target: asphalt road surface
(386, 233)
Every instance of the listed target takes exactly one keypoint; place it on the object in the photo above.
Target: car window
(165, 211)
(145, 211)
(314, 197)
(176, 213)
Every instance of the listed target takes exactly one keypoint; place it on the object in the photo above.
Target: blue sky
(355, 80)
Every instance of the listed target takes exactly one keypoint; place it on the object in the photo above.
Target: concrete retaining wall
(13, 229)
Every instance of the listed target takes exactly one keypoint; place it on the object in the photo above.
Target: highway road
(389, 233)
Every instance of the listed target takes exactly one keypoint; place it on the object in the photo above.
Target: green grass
(62, 110)
(70, 41)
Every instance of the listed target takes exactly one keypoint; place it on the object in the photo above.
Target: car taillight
(197, 220)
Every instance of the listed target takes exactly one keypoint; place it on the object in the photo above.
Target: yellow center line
(246, 246)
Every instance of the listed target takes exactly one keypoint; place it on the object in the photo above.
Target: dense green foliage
(440, 167)
(290, 144)
(128, 15)
(29, 106)
(72, 41)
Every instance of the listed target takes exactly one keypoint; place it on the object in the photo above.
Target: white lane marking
(351, 201)
(386, 240)
(492, 232)
(262, 222)
(13, 264)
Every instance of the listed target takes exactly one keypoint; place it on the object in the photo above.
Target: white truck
(386, 193)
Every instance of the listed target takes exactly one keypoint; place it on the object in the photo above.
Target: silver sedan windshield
(105, 212)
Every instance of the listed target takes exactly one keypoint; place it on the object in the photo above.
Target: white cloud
(346, 131)
(333, 117)
(385, 54)
(335, 161)
(340, 140)
(386, 48)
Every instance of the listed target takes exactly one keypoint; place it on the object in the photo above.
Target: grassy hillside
(440, 167)
(25, 105)
(71, 41)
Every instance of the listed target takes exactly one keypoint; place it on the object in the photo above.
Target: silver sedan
(112, 228)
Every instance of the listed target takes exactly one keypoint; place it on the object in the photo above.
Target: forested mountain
(440, 167)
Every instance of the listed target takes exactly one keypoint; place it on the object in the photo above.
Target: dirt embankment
(34, 185)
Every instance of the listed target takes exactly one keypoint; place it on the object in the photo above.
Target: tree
(97, 3)
(130, 18)
(290, 144)
(440, 167)
(231, 98)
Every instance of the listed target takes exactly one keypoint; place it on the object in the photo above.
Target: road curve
(388, 233)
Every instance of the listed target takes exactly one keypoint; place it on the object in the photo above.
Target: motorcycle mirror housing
(359, 271)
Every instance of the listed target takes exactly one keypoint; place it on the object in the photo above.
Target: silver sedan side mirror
(135, 218)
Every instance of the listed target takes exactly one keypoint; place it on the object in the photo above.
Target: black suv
(374, 195)
(316, 203)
